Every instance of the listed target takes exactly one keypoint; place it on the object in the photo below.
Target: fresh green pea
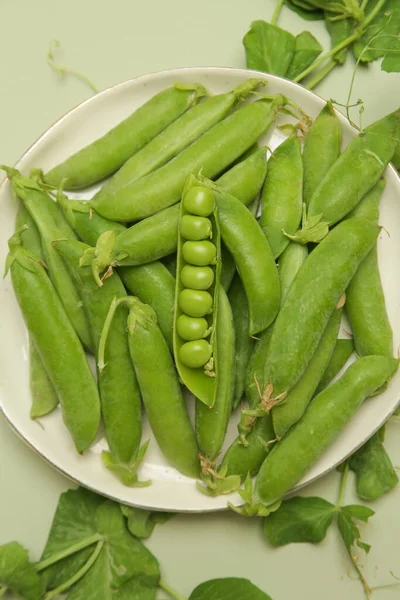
(159, 387)
(322, 144)
(43, 394)
(119, 391)
(191, 328)
(212, 152)
(285, 415)
(212, 422)
(51, 225)
(314, 295)
(195, 354)
(197, 278)
(199, 253)
(244, 344)
(356, 170)
(365, 300)
(342, 351)
(108, 153)
(282, 196)
(325, 417)
(199, 200)
(195, 228)
(57, 343)
(195, 303)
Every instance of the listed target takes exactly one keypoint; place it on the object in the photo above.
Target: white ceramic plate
(49, 437)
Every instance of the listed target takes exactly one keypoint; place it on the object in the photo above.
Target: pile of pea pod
(200, 264)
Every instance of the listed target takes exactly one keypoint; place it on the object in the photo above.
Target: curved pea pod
(365, 300)
(212, 152)
(57, 343)
(153, 284)
(119, 391)
(289, 412)
(212, 422)
(253, 257)
(202, 381)
(160, 390)
(176, 137)
(325, 417)
(246, 178)
(311, 300)
(51, 225)
(356, 170)
(322, 144)
(43, 394)
(342, 351)
(282, 196)
(244, 344)
(108, 153)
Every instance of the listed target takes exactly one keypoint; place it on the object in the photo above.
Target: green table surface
(112, 42)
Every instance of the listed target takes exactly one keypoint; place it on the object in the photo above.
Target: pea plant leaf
(299, 519)
(305, 10)
(18, 574)
(231, 588)
(307, 49)
(380, 39)
(349, 530)
(141, 522)
(338, 32)
(269, 48)
(375, 474)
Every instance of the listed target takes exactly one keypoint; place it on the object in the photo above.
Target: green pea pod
(211, 423)
(244, 344)
(285, 415)
(175, 138)
(314, 294)
(365, 300)
(157, 236)
(338, 31)
(212, 152)
(342, 351)
(202, 382)
(356, 170)
(153, 284)
(119, 391)
(322, 144)
(326, 417)
(57, 343)
(282, 196)
(242, 459)
(43, 394)
(52, 225)
(253, 257)
(159, 387)
(108, 153)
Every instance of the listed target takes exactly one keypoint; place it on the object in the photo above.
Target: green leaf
(305, 10)
(269, 48)
(231, 588)
(375, 474)
(338, 31)
(141, 522)
(17, 573)
(307, 49)
(299, 520)
(349, 530)
(313, 229)
(391, 62)
(359, 512)
(385, 25)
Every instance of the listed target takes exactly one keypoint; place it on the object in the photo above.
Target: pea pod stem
(56, 557)
(172, 593)
(277, 11)
(106, 328)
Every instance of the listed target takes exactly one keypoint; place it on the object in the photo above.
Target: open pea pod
(196, 298)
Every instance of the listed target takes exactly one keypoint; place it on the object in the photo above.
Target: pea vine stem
(277, 11)
(343, 485)
(352, 38)
(172, 593)
(62, 69)
(321, 74)
(96, 537)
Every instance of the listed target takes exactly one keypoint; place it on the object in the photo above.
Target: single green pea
(199, 253)
(191, 328)
(195, 228)
(199, 200)
(195, 303)
(195, 354)
(197, 278)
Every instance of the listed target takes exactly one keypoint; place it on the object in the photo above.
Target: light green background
(111, 42)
